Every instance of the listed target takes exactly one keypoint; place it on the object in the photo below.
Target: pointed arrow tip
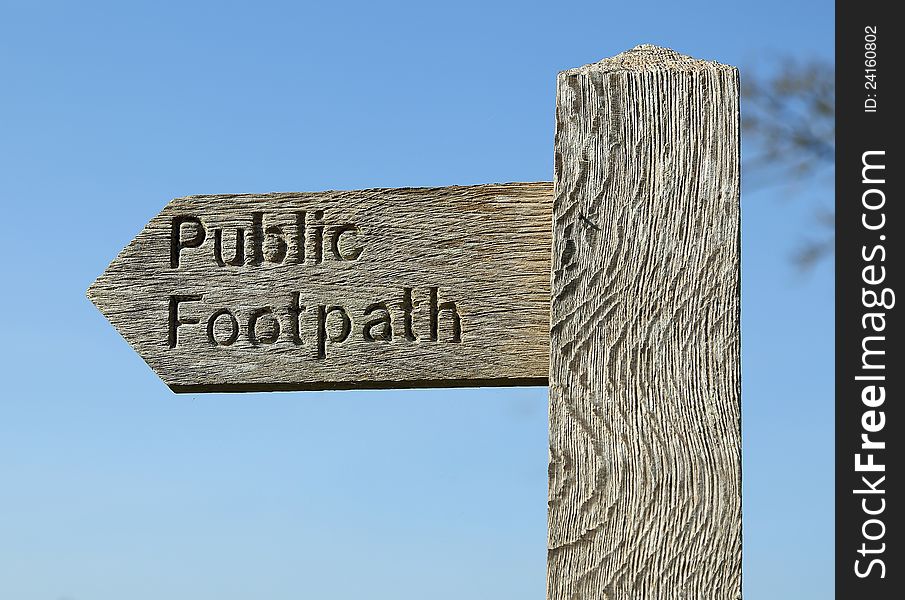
(90, 292)
(93, 293)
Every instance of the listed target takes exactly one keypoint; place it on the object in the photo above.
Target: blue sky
(114, 487)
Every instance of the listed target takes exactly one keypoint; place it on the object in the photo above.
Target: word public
(310, 240)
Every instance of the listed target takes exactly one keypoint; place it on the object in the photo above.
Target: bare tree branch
(788, 116)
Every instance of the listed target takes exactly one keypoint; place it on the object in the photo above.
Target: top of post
(647, 57)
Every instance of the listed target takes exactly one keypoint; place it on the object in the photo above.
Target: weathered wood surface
(370, 288)
(645, 479)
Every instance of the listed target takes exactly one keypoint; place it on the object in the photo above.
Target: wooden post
(645, 444)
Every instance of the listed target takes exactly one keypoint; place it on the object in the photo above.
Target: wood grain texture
(645, 465)
(400, 288)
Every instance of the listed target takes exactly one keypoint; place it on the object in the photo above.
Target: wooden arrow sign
(372, 288)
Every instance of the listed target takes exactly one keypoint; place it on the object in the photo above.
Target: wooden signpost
(634, 321)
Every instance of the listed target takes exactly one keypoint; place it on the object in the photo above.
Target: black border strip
(869, 363)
